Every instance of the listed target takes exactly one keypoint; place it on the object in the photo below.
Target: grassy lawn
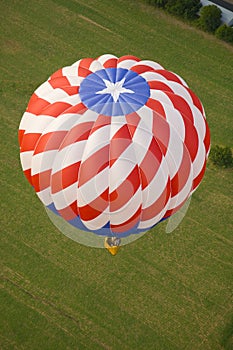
(162, 292)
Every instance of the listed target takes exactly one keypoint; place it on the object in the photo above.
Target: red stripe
(102, 120)
(174, 210)
(116, 149)
(156, 106)
(182, 175)
(181, 105)
(70, 90)
(161, 131)
(125, 191)
(158, 85)
(83, 67)
(199, 177)
(29, 141)
(119, 142)
(36, 104)
(20, 136)
(127, 225)
(141, 68)
(111, 63)
(50, 141)
(59, 82)
(133, 121)
(65, 178)
(27, 173)
(169, 75)
(41, 181)
(56, 108)
(70, 212)
(79, 108)
(57, 74)
(90, 211)
(207, 138)
(196, 100)
(94, 165)
(128, 57)
(155, 208)
(79, 132)
(150, 164)
(191, 138)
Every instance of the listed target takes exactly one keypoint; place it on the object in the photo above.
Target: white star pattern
(115, 89)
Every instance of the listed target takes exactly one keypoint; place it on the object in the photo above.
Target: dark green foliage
(225, 33)
(187, 9)
(210, 18)
(221, 156)
(158, 3)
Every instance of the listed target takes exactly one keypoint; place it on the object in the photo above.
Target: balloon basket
(112, 244)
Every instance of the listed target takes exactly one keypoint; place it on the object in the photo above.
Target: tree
(225, 33)
(187, 9)
(160, 3)
(221, 156)
(210, 18)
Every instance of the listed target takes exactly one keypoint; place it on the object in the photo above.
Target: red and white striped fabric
(114, 145)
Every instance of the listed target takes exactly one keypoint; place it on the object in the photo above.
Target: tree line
(207, 18)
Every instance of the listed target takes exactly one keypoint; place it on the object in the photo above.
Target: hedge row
(208, 18)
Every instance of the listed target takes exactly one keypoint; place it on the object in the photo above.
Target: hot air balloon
(113, 146)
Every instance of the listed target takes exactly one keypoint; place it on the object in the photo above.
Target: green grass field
(162, 292)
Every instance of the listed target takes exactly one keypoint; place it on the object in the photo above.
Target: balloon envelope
(114, 145)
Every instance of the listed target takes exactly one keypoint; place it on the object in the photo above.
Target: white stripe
(177, 89)
(65, 197)
(95, 65)
(58, 160)
(35, 124)
(72, 100)
(175, 119)
(146, 115)
(70, 71)
(44, 90)
(116, 125)
(76, 64)
(26, 118)
(96, 141)
(157, 185)
(43, 161)
(70, 155)
(153, 76)
(174, 153)
(140, 152)
(149, 63)
(74, 80)
(97, 223)
(45, 196)
(93, 188)
(160, 96)
(180, 90)
(26, 159)
(142, 137)
(146, 224)
(56, 95)
(122, 167)
(199, 160)
(128, 210)
(63, 122)
(181, 79)
(104, 58)
(183, 194)
(199, 121)
(126, 64)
